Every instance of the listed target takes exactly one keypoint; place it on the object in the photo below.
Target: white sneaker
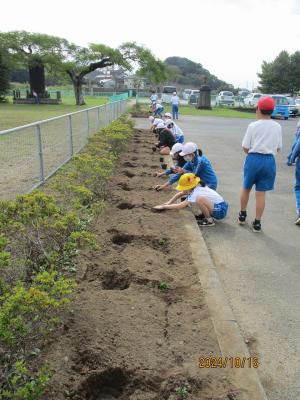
(297, 222)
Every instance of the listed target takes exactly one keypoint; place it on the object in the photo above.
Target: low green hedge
(42, 233)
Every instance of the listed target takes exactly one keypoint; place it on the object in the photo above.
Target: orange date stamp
(228, 362)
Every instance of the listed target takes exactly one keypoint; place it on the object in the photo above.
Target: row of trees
(282, 75)
(58, 57)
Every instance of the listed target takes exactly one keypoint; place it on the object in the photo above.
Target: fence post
(71, 136)
(87, 123)
(40, 152)
(98, 119)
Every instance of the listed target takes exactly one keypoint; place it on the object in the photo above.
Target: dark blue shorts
(220, 210)
(259, 170)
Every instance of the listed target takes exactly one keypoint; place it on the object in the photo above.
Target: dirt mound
(139, 322)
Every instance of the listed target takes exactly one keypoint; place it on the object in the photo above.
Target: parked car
(225, 97)
(193, 99)
(186, 94)
(243, 93)
(293, 107)
(252, 99)
(167, 93)
(281, 106)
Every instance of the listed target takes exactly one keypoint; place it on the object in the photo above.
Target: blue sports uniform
(293, 156)
(202, 168)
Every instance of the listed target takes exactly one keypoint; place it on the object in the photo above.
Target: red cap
(266, 104)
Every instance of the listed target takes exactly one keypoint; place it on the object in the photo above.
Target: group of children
(158, 109)
(196, 179)
(192, 172)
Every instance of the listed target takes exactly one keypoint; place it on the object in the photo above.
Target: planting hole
(112, 280)
(125, 206)
(129, 164)
(124, 186)
(129, 174)
(121, 238)
(107, 385)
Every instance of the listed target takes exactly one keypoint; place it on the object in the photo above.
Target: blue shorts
(259, 170)
(220, 210)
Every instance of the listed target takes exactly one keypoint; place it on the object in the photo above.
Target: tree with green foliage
(282, 75)
(4, 75)
(96, 56)
(36, 51)
(39, 51)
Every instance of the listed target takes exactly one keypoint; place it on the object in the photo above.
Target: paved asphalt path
(260, 272)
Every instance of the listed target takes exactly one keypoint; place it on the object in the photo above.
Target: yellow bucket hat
(187, 182)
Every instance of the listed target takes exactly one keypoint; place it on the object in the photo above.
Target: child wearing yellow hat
(211, 203)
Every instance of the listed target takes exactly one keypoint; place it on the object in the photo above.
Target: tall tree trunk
(77, 84)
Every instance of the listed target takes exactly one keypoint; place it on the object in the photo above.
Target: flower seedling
(163, 286)
(181, 392)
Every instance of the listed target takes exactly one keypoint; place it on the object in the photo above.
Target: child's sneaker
(297, 222)
(256, 226)
(199, 217)
(242, 217)
(206, 222)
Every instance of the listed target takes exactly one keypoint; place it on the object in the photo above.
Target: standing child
(262, 141)
(211, 204)
(175, 105)
(292, 157)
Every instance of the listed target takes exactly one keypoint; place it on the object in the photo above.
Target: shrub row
(41, 234)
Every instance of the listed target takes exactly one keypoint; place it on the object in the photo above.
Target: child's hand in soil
(158, 174)
(178, 170)
(160, 207)
(158, 187)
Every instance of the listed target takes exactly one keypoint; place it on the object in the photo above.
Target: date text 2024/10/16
(228, 362)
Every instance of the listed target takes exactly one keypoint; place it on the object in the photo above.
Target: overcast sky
(230, 38)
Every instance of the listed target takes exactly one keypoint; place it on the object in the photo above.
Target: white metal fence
(30, 154)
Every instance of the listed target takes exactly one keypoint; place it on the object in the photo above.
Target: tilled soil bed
(129, 337)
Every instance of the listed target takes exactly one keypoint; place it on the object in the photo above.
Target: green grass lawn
(12, 115)
(215, 112)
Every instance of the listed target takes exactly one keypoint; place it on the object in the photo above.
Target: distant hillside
(186, 72)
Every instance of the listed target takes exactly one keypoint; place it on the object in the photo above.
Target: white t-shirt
(153, 97)
(175, 100)
(205, 191)
(157, 121)
(176, 130)
(263, 136)
(158, 106)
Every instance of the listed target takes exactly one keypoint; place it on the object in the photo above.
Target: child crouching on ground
(178, 161)
(211, 204)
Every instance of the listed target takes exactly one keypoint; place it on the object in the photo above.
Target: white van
(186, 94)
(167, 93)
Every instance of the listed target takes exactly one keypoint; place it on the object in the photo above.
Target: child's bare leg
(244, 198)
(260, 204)
(205, 206)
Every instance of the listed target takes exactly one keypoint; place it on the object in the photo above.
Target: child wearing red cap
(262, 141)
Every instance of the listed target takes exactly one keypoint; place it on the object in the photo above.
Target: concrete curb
(229, 337)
